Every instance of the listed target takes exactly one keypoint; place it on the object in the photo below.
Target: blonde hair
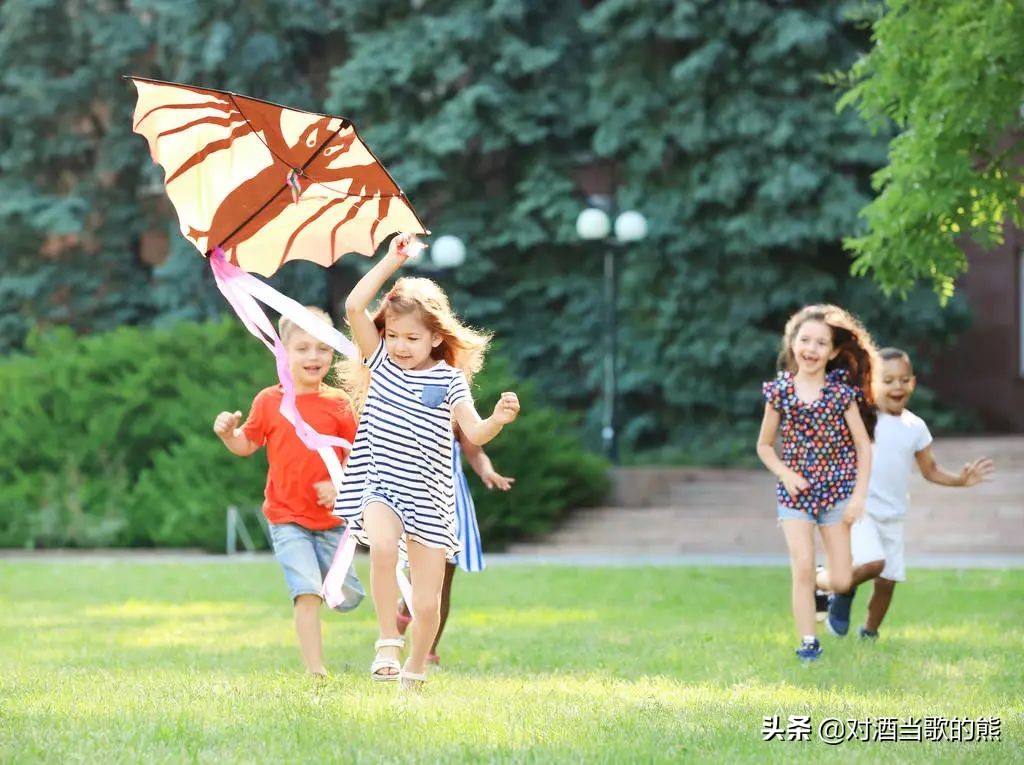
(285, 326)
(340, 379)
(461, 347)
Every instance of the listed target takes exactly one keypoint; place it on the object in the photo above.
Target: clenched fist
(405, 246)
(226, 423)
(507, 408)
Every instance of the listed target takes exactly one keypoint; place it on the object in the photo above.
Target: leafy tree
(68, 217)
(950, 76)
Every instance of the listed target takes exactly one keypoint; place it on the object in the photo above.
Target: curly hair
(857, 353)
(461, 347)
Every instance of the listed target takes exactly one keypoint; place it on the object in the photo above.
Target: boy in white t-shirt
(876, 541)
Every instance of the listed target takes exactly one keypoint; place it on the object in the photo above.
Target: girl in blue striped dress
(399, 485)
(472, 557)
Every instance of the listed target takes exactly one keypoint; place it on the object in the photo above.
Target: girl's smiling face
(408, 341)
(812, 346)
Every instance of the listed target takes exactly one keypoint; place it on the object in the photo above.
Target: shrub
(84, 418)
(107, 442)
(541, 451)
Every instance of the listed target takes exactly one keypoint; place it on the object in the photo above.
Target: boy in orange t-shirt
(299, 493)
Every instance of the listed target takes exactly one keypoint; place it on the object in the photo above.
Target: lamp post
(593, 224)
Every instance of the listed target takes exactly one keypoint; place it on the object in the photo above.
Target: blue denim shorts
(306, 556)
(828, 517)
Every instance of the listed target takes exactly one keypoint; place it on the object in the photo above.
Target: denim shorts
(828, 517)
(306, 556)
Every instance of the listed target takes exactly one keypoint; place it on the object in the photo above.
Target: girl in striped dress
(471, 558)
(399, 486)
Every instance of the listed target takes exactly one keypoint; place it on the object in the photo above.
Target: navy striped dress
(472, 556)
(402, 453)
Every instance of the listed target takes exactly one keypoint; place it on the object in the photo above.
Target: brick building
(984, 371)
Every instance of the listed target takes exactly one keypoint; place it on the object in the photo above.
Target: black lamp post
(593, 224)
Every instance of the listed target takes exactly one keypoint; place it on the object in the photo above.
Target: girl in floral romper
(822, 404)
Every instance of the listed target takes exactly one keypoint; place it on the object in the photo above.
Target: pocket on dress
(433, 395)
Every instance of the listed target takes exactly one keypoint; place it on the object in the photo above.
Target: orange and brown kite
(265, 183)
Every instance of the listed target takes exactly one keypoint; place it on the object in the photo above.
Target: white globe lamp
(630, 226)
(448, 252)
(593, 223)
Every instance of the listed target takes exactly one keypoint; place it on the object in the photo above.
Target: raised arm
(972, 473)
(358, 301)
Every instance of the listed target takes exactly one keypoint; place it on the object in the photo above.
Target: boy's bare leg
(861, 574)
(307, 628)
(879, 603)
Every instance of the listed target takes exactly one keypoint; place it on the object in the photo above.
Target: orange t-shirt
(293, 467)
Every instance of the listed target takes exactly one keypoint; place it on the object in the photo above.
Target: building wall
(984, 371)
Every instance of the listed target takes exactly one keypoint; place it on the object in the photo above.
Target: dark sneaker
(863, 633)
(809, 650)
(838, 621)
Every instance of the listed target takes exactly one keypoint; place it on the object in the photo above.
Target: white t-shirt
(897, 440)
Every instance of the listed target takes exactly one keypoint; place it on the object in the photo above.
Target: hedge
(108, 442)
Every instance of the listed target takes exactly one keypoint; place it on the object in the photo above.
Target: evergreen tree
(77, 188)
(711, 117)
(68, 176)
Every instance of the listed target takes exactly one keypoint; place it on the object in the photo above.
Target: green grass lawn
(183, 662)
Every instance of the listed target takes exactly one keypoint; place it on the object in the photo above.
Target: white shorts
(874, 539)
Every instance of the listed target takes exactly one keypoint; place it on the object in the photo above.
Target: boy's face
(895, 385)
(309, 360)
